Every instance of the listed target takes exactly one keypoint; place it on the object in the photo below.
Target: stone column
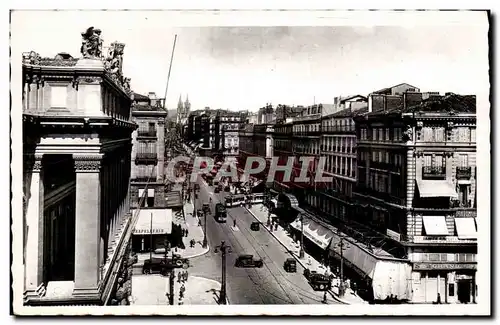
(115, 191)
(34, 222)
(88, 248)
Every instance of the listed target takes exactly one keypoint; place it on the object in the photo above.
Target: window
(428, 134)
(439, 134)
(427, 160)
(380, 156)
(451, 289)
(381, 134)
(439, 161)
(463, 134)
(473, 134)
(387, 159)
(387, 134)
(463, 161)
(374, 131)
(374, 156)
(397, 134)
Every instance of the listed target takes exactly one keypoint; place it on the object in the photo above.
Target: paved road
(267, 285)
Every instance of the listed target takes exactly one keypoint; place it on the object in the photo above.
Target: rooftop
(450, 103)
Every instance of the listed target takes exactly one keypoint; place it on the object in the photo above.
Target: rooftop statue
(91, 44)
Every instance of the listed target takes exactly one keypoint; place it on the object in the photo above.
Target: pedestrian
(187, 232)
(187, 275)
(234, 223)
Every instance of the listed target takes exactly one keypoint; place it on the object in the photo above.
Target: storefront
(316, 237)
(380, 273)
(151, 229)
(454, 282)
(445, 265)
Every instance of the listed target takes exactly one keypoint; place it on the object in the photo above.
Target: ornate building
(416, 183)
(76, 146)
(338, 146)
(183, 110)
(148, 152)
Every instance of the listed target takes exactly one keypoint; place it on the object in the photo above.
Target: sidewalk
(152, 289)
(259, 212)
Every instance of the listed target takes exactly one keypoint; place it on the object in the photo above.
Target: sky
(244, 63)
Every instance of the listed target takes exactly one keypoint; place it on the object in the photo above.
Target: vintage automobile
(290, 265)
(217, 189)
(248, 260)
(160, 265)
(319, 282)
(255, 226)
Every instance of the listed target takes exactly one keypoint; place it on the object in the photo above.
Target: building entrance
(464, 291)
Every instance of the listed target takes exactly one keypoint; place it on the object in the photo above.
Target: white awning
(436, 188)
(466, 228)
(389, 275)
(155, 221)
(435, 225)
(315, 232)
(151, 192)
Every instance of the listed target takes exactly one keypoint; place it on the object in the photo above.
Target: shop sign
(393, 235)
(157, 231)
(444, 266)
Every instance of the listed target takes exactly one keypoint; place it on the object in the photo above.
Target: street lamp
(301, 252)
(224, 249)
(342, 246)
(205, 242)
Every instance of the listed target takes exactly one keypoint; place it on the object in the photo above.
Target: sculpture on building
(91, 44)
(408, 134)
(31, 58)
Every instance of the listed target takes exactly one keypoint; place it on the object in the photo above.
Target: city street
(267, 285)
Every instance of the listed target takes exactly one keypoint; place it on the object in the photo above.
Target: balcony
(433, 172)
(146, 134)
(463, 172)
(143, 179)
(338, 129)
(147, 158)
(383, 196)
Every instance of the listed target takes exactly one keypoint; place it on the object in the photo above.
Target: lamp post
(301, 252)
(342, 246)
(205, 242)
(224, 249)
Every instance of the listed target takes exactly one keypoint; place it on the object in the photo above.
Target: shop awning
(315, 232)
(436, 188)
(389, 275)
(155, 221)
(435, 225)
(466, 228)
(151, 192)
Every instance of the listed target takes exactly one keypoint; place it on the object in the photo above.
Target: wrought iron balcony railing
(146, 134)
(434, 172)
(463, 172)
(146, 158)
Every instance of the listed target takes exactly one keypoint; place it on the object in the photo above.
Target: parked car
(319, 282)
(217, 190)
(290, 265)
(160, 265)
(255, 226)
(248, 260)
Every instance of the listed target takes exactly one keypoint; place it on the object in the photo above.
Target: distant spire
(180, 100)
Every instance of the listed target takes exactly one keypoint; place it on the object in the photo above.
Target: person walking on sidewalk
(234, 223)
(187, 232)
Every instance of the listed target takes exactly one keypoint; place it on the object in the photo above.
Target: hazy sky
(245, 67)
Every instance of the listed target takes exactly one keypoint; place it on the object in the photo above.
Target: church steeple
(179, 104)
(187, 106)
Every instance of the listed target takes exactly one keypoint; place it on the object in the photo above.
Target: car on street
(247, 260)
(319, 282)
(217, 190)
(255, 226)
(290, 265)
(160, 265)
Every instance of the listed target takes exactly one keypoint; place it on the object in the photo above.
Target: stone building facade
(148, 152)
(76, 146)
(416, 183)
